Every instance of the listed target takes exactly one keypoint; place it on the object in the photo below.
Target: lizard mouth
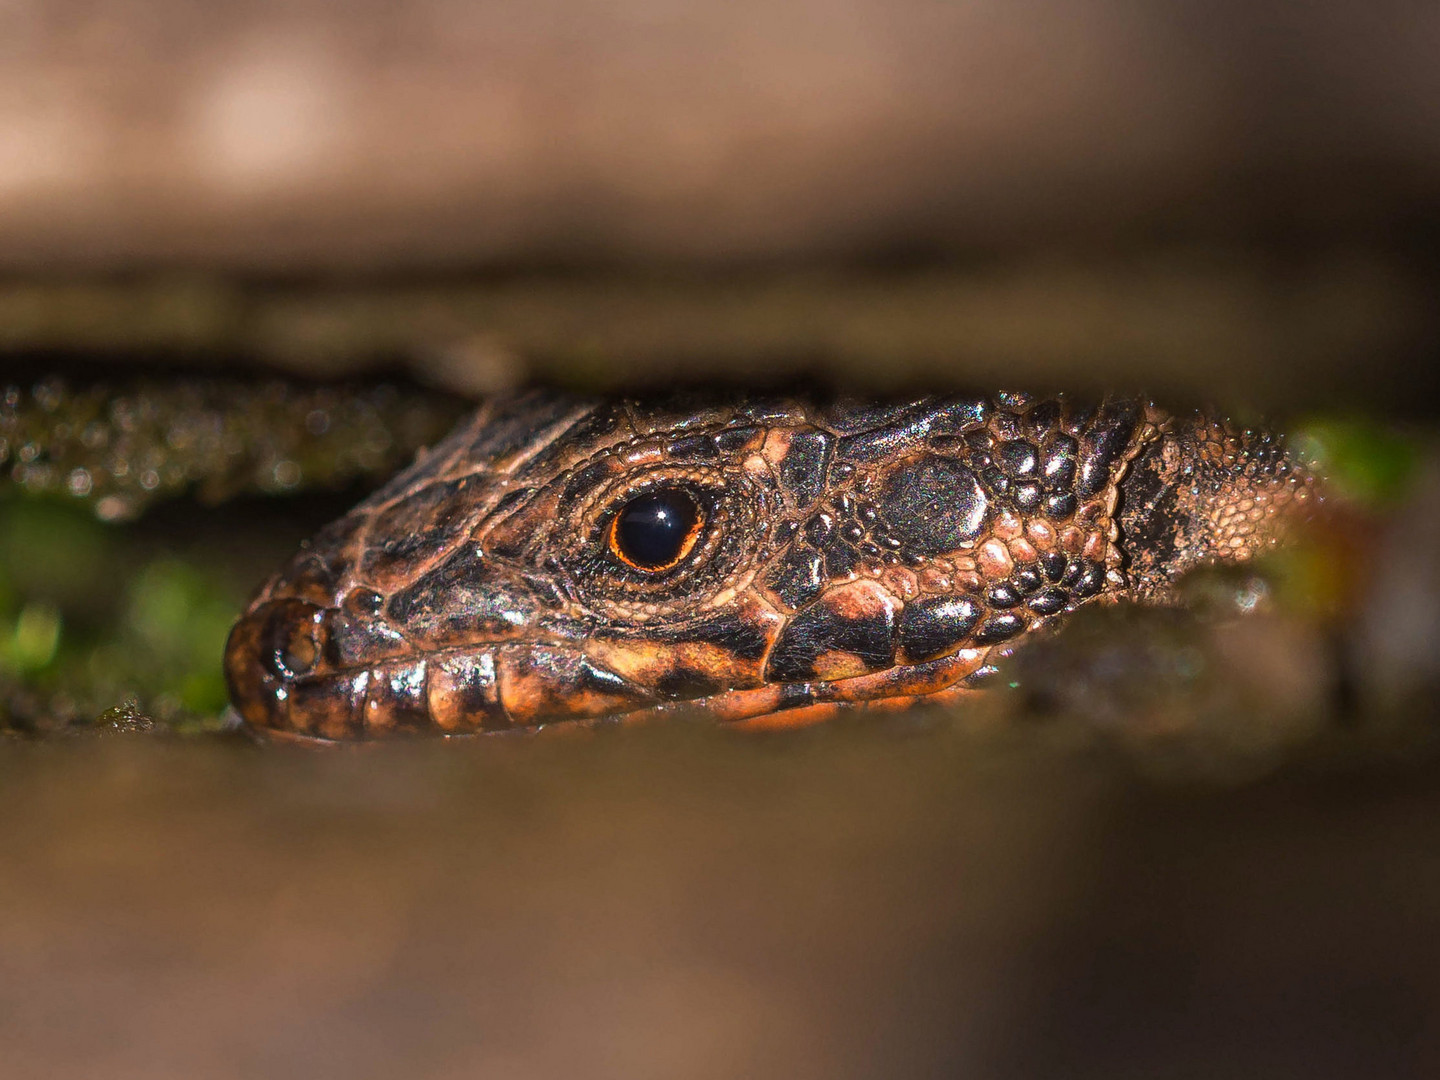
(296, 667)
(295, 693)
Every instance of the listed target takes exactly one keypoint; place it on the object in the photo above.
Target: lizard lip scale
(769, 560)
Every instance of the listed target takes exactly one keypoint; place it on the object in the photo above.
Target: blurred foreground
(917, 900)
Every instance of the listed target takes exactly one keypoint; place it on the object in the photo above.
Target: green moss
(1364, 461)
(82, 628)
(29, 642)
(94, 610)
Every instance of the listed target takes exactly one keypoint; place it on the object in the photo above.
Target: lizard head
(559, 558)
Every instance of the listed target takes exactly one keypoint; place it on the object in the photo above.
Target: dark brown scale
(1060, 506)
(1017, 459)
(845, 554)
(935, 625)
(998, 628)
(1028, 580)
(1049, 602)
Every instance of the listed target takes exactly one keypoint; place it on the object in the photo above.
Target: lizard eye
(654, 531)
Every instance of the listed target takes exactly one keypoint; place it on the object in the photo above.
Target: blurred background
(253, 254)
(1191, 196)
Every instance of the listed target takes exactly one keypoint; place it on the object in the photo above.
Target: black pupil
(652, 529)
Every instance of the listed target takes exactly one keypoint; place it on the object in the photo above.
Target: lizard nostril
(295, 642)
(300, 653)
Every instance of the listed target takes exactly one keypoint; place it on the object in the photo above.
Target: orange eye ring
(654, 532)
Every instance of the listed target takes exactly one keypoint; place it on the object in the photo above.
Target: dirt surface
(918, 901)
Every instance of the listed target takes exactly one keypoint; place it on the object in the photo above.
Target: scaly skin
(850, 555)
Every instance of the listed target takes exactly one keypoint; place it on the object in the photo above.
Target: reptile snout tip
(301, 671)
(269, 649)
